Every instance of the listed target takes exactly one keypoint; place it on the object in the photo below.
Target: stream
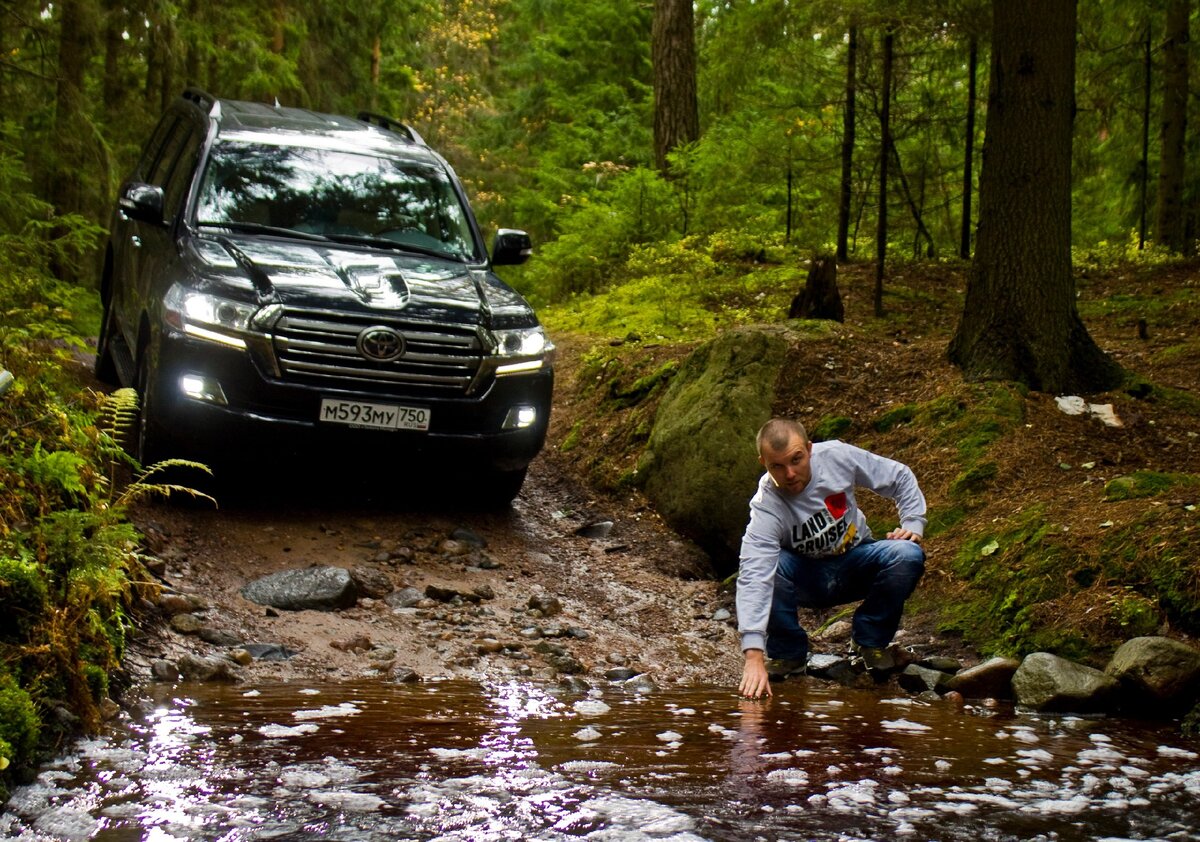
(516, 760)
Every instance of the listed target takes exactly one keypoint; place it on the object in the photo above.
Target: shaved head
(778, 432)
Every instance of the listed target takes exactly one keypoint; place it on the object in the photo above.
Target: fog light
(519, 417)
(202, 389)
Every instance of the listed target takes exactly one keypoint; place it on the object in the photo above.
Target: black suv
(305, 284)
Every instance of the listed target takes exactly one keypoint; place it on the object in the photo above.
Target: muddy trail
(562, 584)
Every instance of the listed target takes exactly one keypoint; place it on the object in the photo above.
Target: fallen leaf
(989, 548)
(1106, 524)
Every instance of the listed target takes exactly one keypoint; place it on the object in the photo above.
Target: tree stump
(820, 298)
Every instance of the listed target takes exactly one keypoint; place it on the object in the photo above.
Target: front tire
(150, 442)
(502, 488)
(105, 366)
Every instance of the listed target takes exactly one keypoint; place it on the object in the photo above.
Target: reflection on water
(514, 761)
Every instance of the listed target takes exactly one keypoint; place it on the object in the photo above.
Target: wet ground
(514, 760)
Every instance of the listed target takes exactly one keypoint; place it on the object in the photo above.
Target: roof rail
(200, 97)
(391, 124)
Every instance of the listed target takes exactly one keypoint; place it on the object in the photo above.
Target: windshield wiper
(384, 242)
(259, 228)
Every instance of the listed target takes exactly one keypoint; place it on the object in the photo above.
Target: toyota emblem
(381, 344)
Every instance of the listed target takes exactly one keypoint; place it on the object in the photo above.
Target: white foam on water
(904, 725)
(790, 777)
(1100, 754)
(276, 731)
(587, 734)
(303, 779)
(1058, 807)
(459, 753)
(1171, 751)
(591, 707)
(354, 802)
(67, 824)
(669, 736)
(587, 766)
(327, 712)
(778, 755)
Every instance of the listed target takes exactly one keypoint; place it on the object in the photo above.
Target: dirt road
(631, 592)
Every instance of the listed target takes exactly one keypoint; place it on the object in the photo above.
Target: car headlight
(208, 316)
(524, 349)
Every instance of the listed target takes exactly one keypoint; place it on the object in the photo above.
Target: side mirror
(143, 202)
(511, 247)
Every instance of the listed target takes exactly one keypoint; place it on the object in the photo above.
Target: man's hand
(755, 683)
(902, 534)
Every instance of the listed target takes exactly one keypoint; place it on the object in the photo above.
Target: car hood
(330, 276)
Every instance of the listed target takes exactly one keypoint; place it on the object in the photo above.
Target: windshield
(335, 194)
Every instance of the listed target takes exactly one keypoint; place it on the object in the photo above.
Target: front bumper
(256, 412)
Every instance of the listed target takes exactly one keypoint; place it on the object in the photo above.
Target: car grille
(320, 348)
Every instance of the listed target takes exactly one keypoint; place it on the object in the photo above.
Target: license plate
(375, 416)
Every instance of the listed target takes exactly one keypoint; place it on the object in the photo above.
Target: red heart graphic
(836, 504)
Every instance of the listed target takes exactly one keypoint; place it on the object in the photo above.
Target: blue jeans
(883, 574)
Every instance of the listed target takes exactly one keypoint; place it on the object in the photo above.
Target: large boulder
(699, 468)
(1158, 676)
(1046, 682)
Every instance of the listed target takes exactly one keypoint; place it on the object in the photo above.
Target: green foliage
(67, 554)
(1157, 554)
(1142, 484)
(24, 597)
(19, 726)
(1012, 577)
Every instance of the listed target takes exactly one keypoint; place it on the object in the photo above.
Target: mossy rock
(830, 428)
(1141, 484)
(699, 468)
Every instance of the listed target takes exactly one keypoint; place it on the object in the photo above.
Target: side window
(150, 152)
(181, 175)
(170, 151)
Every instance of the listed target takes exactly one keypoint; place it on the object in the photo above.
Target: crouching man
(808, 545)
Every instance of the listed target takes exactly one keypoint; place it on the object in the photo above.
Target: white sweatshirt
(822, 520)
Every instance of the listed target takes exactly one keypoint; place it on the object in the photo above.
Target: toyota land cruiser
(282, 281)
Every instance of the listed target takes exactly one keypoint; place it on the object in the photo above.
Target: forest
(652, 150)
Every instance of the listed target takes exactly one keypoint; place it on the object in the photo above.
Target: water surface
(516, 760)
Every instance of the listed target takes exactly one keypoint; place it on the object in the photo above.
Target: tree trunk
(843, 230)
(968, 185)
(1144, 164)
(1169, 217)
(114, 45)
(1020, 321)
(885, 147)
(76, 44)
(673, 55)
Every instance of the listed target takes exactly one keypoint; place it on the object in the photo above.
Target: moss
(572, 439)
(941, 518)
(1157, 555)
(642, 387)
(19, 723)
(1141, 484)
(974, 481)
(1191, 722)
(1142, 389)
(830, 428)
(1014, 578)
(895, 417)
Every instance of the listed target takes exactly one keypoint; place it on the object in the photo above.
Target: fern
(118, 415)
(143, 487)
